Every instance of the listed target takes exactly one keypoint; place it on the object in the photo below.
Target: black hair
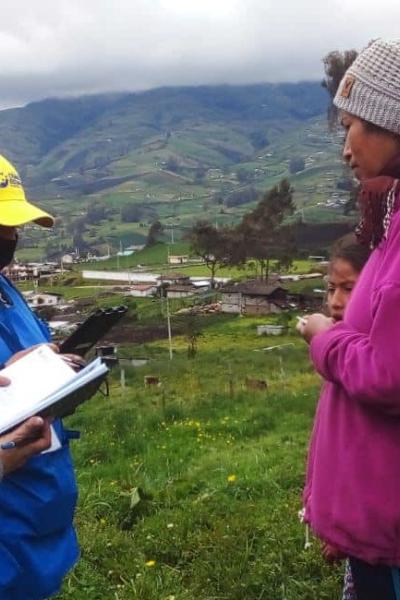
(349, 249)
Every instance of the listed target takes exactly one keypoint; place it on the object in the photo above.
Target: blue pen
(8, 445)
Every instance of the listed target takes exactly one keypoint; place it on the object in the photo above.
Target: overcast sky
(64, 47)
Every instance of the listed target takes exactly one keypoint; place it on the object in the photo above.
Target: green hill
(92, 143)
(176, 154)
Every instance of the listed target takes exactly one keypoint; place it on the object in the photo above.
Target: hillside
(88, 143)
(176, 154)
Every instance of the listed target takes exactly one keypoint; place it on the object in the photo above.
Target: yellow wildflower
(151, 563)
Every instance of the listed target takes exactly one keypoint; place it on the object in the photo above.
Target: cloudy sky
(69, 47)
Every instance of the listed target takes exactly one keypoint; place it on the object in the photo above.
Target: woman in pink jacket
(352, 492)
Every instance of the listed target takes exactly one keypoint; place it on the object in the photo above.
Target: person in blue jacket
(38, 543)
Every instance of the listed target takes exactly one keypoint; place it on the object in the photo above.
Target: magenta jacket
(352, 492)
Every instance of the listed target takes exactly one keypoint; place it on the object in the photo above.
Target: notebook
(42, 383)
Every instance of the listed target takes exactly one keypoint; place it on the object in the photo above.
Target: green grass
(199, 475)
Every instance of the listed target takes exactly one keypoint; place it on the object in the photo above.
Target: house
(181, 291)
(318, 258)
(178, 259)
(174, 278)
(305, 302)
(300, 276)
(135, 247)
(43, 299)
(253, 298)
(142, 290)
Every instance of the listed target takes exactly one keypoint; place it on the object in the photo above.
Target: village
(42, 284)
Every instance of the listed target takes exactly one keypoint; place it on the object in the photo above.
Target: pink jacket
(352, 492)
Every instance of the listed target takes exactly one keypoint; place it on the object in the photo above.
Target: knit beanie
(370, 88)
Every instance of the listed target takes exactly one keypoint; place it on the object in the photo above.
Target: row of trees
(262, 235)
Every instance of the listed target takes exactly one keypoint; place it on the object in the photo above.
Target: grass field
(191, 490)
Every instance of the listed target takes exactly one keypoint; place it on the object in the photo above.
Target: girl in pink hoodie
(352, 491)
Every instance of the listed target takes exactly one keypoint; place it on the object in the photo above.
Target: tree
(208, 242)
(79, 242)
(243, 175)
(78, 225)
(200, 173)
(258, 139)
(172, 164)
(131, 213)
(192, 334)
(335, 65)
(243, 196)
(263, 234)
(155, 232)
(96, 212)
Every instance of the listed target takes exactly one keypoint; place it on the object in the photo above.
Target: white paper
(38, 380)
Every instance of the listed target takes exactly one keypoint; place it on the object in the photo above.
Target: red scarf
(376, 206)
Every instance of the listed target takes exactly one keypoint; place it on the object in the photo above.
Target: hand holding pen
(23, 442)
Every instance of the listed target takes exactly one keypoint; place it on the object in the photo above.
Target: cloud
(69, 47)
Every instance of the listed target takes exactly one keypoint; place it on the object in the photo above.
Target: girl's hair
(349, 249)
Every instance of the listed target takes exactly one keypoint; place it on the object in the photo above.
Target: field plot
(190, 487)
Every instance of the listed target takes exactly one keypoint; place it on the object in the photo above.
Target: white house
(178, 259)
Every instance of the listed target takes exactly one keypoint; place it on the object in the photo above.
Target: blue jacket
(37, 540)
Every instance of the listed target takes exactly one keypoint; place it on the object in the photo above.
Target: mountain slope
(80, 145)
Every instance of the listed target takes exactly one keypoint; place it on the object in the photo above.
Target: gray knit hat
(370, 88)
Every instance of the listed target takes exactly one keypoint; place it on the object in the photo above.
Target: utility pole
(169, 326)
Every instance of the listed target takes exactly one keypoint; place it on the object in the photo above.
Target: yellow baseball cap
(15, 210)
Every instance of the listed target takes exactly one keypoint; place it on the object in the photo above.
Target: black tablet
(92, 330)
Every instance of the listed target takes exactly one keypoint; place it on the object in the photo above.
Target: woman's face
(367, 151)
(342, 278)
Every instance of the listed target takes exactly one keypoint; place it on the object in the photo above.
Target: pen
(12, 444)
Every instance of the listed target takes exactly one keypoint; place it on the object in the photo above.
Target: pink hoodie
(352, 492)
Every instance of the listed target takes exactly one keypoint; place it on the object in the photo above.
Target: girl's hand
(314, 324)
